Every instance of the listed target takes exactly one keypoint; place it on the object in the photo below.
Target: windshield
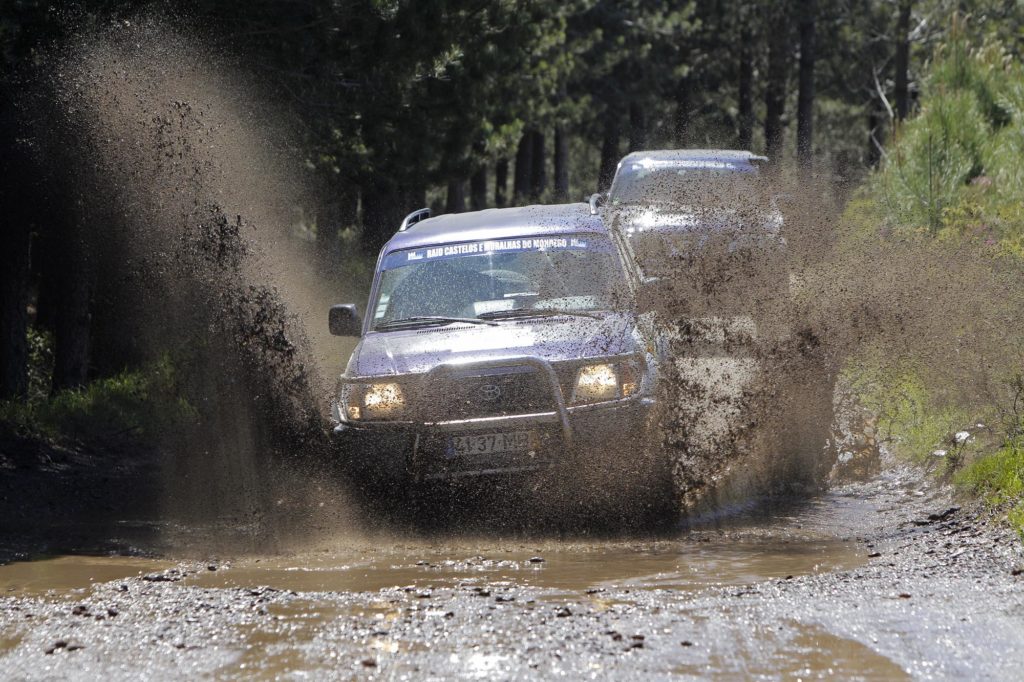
(570, 273)
(692, 187)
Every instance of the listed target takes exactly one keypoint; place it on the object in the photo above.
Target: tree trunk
(337, 215)
(348, 216)
(539, 172)
(327, 226)
(775, 87)
(456, 202)
(745, 96)
(414, 197)
(637, 127)
(610, 153)
(500, 182)
(15, 235)
(682, 132)
(478, 189)
(524, 168)
(874, 154)
(73, 318)
(561, 163)
(805, 97)
(14, 269)
(902, 65)
(384, 207)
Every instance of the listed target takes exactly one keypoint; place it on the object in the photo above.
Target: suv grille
(494, 392)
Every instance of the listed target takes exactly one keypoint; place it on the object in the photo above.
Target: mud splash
(769, 344)
(186, 198)
(748, 391)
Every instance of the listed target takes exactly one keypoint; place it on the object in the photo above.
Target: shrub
(999, 478)
(953, 173)
(910, 418)
(954, 169)
(937, 154)
(133, 404)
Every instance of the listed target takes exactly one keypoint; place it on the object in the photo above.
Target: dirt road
(881, 580)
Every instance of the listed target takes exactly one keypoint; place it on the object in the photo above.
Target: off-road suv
(497, 343)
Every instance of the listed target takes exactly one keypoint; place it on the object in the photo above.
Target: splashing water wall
(186, 189)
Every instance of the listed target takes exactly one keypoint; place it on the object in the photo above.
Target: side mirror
(344, 320)
(596, 200)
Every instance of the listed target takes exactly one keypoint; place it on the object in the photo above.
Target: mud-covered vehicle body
(495, 342)
(748, 373)
(706, 223)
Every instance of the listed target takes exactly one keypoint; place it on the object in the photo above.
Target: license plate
(489, 443)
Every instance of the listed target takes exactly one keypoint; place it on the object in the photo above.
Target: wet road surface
(859, 584)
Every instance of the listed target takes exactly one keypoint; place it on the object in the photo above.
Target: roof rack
(413, 218)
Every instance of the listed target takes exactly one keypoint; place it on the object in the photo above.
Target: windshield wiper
(427, 320)
(533, 312)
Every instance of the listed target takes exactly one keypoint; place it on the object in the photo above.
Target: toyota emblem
(490, 392)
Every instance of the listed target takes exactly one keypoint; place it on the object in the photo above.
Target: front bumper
(422, 451)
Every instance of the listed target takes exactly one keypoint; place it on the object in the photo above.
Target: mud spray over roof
(187, 189)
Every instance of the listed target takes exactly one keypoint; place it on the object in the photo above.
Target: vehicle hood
(674, 218)
(553, 339)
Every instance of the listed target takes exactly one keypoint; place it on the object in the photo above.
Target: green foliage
(1016, 518)
(911, 419)
(954, 170)
(40, 363)
(999, 477)
(396, 98)
(939, 152)
(139, 404)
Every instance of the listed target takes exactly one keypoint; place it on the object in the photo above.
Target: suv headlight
(371, 401)
(606, 381)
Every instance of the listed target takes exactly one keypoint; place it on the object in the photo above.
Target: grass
(999, 479)
(916, 425)
(911, 420)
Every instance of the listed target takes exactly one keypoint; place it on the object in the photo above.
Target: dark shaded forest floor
(58, 498)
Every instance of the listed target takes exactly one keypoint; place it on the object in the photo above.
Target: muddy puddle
(71, 574)
(741, 548)
(674, 564)
(482, 607)
(794, 651)
(679, 564)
